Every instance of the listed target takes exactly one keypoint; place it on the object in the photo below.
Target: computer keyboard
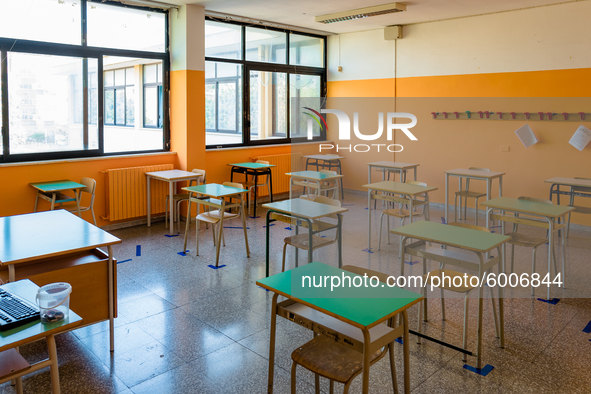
(15, 311)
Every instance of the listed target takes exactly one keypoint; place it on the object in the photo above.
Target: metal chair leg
(466, 303)
(380, 232)
(283, 263)
(293, 377)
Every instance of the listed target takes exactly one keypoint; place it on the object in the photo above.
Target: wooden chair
(585, 210)
(302, 241)
(401, 213)
(467, 193)
(329, 359)
(465, 289)
(530, 241)
(250, 184)
(90, 189)
(181, 197)
(213, 217)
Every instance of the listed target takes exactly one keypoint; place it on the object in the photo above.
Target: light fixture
(361, 13)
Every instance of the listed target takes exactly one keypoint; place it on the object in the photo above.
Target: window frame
(82, 50)
(248, 66)
(114, 88)
(159, 87)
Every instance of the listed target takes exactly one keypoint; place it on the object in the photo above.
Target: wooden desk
(51, 191)
(479, 243)
(44, 252)
(351, 316)
(307, 211)
(31, 332)
(172, 177)
(255, 170)
(577, 188)
(549, 213)
(461, 173)
(391, 187)
(326, 161)
(401, 168)
(312, 176)
(219, 193)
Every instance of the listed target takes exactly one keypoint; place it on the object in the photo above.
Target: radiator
(126, 192)
(284, 163)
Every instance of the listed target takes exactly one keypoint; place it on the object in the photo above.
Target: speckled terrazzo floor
(186, 328)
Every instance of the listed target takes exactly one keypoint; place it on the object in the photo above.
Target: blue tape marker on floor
(411, 262)
(216, 268)
(272, 224)
(363, 208)
(248, 228)
(553, 301)
(254, 217)
(170, 236)
(323, 236)
(124, 261)
(443, 220)
(367, 250)
(399, 340)
(495, 227)
(288, 228)
(138, 250)
(183, 253)
(587, 329)
(262, 288)
(482, 372)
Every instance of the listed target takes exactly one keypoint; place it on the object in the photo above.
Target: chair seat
(399, 212)
(465, 285)
(579, 209)
(526, 240)
(324, 356)
(73, 208)
(302, 241)
(214, 216)
(59, 198)
(180, 196)
(470, 193)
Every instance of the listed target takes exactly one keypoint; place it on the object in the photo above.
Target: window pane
(120, 77)
(304, 91)
(151, 106)
(120, 106)
(125, 28)
(47, 104)
(109, 106)
(150, 73)
(129, 76)
(223, 40)
(49, 21)
(223, 103)
(268, 105)
(264, 45)
(129, 106)
(109, 78)
(306, 51)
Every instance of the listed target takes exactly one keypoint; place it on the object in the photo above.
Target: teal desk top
(56, 186)
(464, 238)
(215, 190)
(304, 208)
(362, 307)
(531, 207)
(314, 175)
(33, 330)
(252, 166)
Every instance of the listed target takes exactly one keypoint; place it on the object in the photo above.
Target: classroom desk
(255, 170)
(44, 252)
(578, 188)
(327, 162)
(307, 211)
(461, 173)
(390, 187)
(217, 195)
(549, 213)
(477, 243)
(50, 191)
(27, 333)
(401, 168)
(312, 176)
(351, 316)
(172, 177)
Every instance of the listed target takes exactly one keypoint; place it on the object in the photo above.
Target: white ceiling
(302, 12)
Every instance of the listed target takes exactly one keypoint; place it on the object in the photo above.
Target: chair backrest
(580, 177)
(328, 172)
(479, 169)
(542, 200)
(262, 162)
(90, 185)
(416, 183)
(470, 226)
(200, 172)
(328, 201)
(233, 184)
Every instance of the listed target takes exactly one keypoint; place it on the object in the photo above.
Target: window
(81, 87)
(275, 83)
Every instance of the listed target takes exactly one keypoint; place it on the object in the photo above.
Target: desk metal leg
(341, 180)
(369, 220)
(501, 307)
(446, 198)
(550, 249)
(221, 224)
(267, 244)
(55, 377)
(366, 354)
(270, 175)
(188, 225)
(563, 237)
(272, 341)
(340, 239)
(310, 240)
(148, 199)
(243, 214)
(415, 173)
(171, 185)
(256, 178)
(480, 306)
(111, 299)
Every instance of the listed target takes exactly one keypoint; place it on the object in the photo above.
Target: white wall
(544, 38)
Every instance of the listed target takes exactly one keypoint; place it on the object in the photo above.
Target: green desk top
(56, 186)
(215, 190)
(304, 208)
(47, 234)
(464, 238)
(399, 188)
(252, 166)
(34, 330)
(569, 181)
(314, 175)
(363, 307)
(530, 207)
(463, 172)
(392, 164)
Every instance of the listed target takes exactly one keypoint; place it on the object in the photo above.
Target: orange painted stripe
(553, 83)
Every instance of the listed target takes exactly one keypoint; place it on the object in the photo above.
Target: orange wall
(448, 144)
(18, 197)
